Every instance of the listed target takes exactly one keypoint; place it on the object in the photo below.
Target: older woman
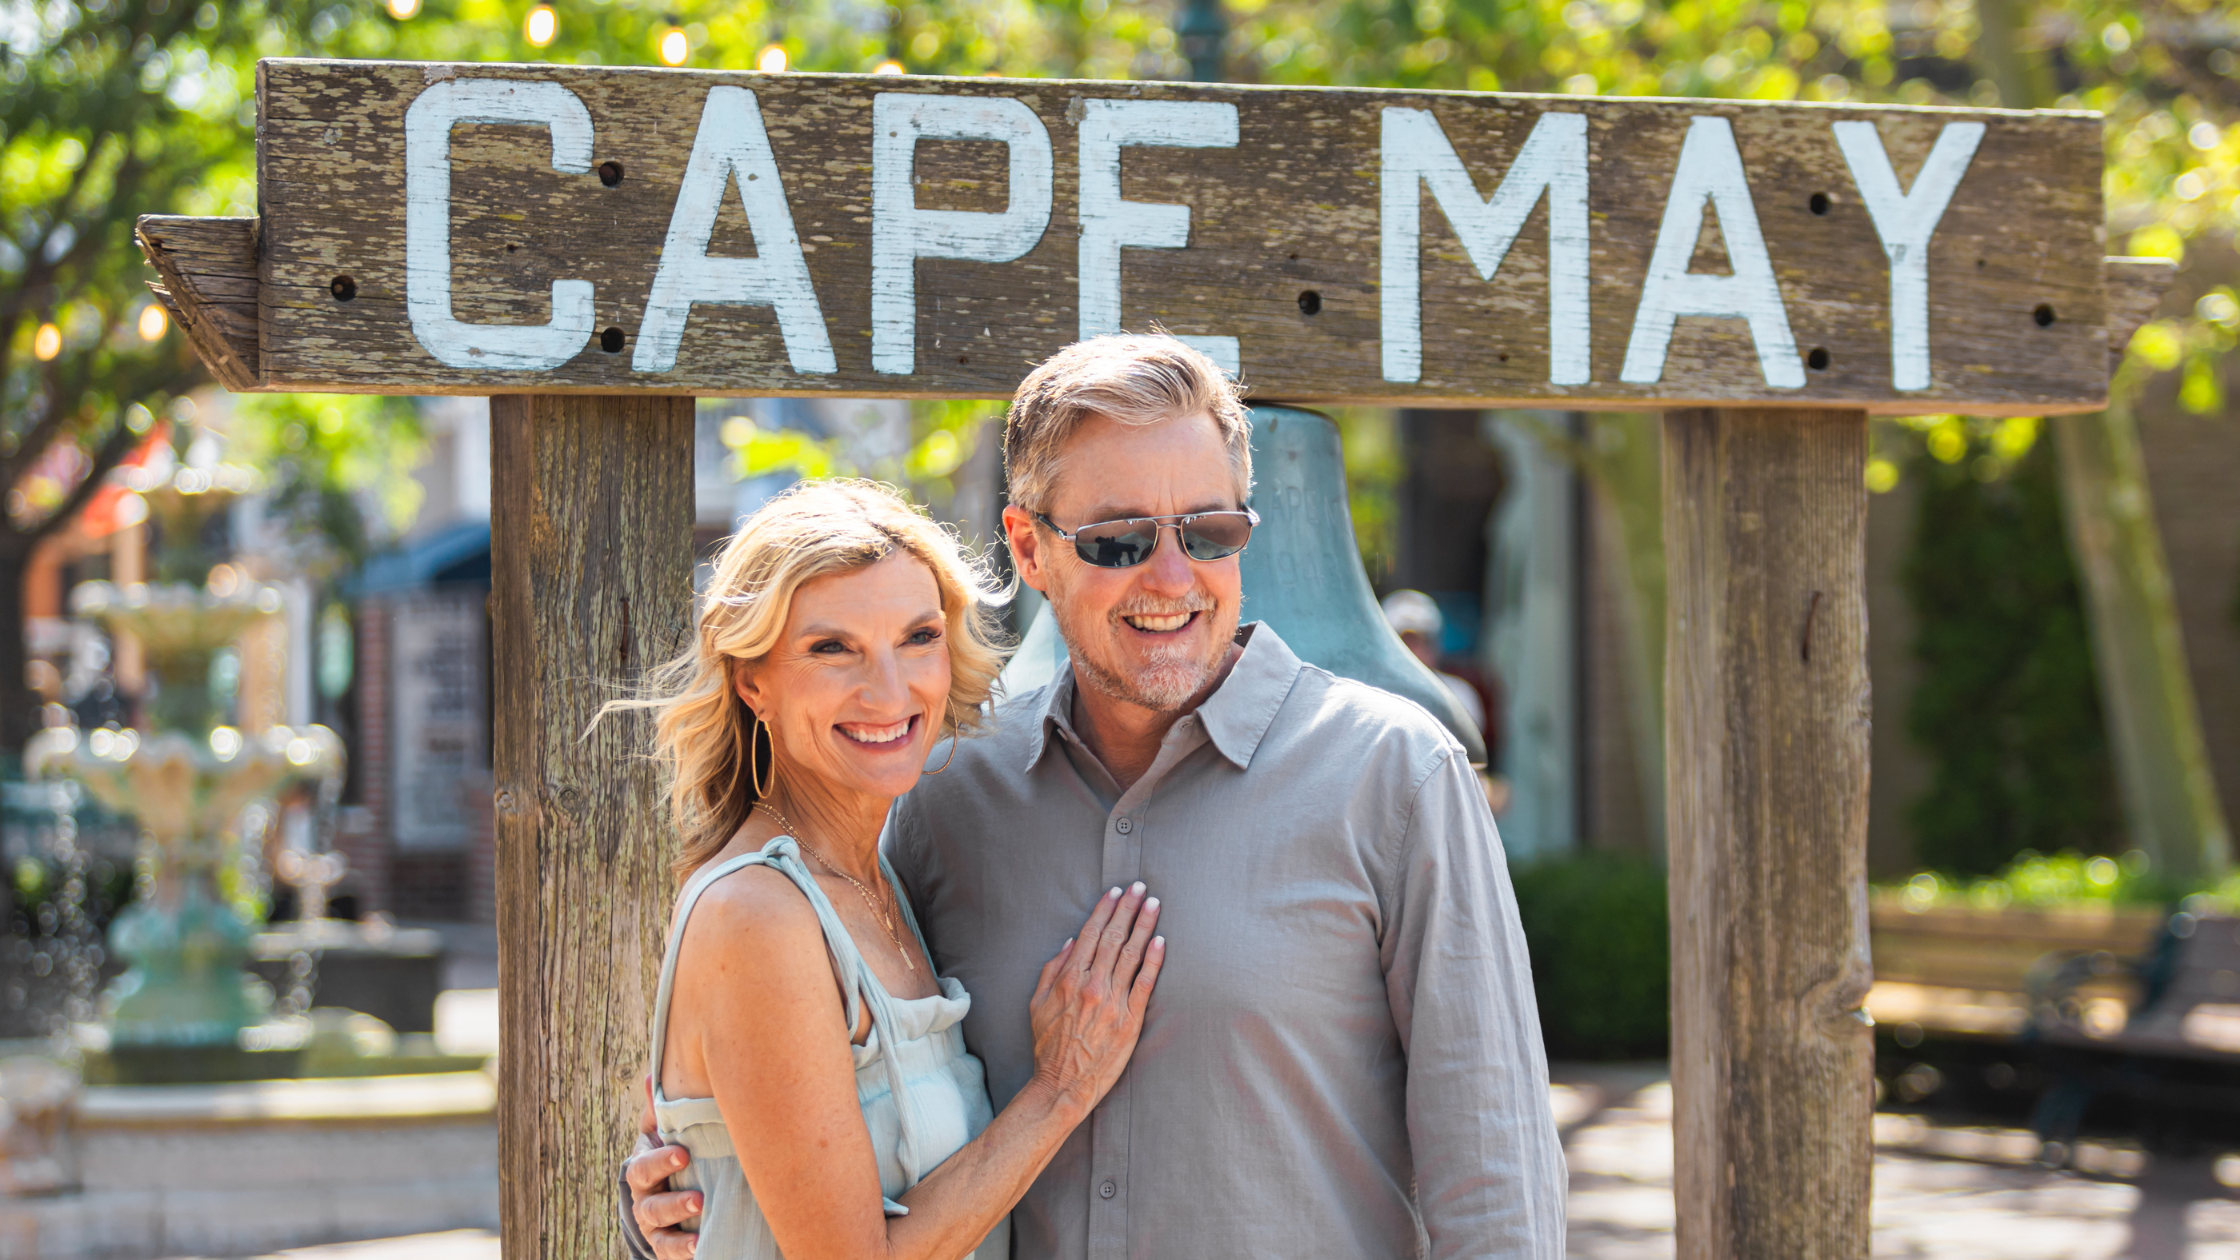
(804, 1051)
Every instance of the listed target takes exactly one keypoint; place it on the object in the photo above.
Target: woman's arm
(762, 1021)
(1088, 1010)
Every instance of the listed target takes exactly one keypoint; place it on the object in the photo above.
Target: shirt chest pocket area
(1305, 951)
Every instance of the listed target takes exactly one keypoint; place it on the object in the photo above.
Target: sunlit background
(2055, 607)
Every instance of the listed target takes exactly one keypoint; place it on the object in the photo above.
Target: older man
(1343, 1058)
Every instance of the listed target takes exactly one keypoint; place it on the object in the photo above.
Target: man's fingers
(663, 1211)
(648, 1172)
(674, 1244)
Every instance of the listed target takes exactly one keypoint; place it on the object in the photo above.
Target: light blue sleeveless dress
(923, 1096)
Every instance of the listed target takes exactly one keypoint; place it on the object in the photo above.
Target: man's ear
(1027, 555)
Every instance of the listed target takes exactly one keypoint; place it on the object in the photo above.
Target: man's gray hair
(1128, 377)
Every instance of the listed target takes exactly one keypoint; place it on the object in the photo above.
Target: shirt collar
(1236, 716)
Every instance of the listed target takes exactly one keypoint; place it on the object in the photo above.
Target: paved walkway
(1940, 1192)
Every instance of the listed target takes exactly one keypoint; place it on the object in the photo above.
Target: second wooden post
(1766, 726)
(591, 582)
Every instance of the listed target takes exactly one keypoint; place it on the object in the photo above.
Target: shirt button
(1124, 826)
(1107, 1190)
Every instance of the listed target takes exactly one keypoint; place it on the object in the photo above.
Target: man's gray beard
(1166, 685)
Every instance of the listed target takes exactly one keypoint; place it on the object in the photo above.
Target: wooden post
(591, 558)
(1766, 720)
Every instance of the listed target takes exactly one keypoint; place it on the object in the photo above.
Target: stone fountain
(181, 1008)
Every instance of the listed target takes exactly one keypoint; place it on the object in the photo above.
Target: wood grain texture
(208, 282)
(1766, 723)
(1292, 209)
(2135, 288)
(591, 551)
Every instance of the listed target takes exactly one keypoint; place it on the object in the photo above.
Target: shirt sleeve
(1490, 1178)
(632, 1239)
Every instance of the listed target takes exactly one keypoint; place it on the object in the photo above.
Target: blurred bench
(1967, 970)
(2172, 1060)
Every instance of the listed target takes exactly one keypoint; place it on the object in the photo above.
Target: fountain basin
(250, 1167)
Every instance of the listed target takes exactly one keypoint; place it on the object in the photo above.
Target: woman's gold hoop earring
(760, 737)
(953, 738)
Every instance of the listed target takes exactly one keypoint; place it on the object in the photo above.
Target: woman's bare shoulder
(756, 912)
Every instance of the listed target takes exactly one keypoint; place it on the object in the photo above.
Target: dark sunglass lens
(1117, 546)
(1215, 537)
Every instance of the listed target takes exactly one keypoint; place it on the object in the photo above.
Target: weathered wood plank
(208, 270)
(591, 550)
(1766, 724)
(2135, 288)
(1286, 221)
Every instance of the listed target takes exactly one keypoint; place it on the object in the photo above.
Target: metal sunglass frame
(1175, 522)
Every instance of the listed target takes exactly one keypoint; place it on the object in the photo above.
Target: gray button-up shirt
(1342, 1058)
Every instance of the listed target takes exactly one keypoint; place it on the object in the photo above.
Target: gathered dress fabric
(923, 1097)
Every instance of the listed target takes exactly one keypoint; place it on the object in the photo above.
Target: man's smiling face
(1153, 635)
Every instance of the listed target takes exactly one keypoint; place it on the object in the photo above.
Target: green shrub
(1601, 954)
(2006, 705)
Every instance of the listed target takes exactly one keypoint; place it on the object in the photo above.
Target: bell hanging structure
(1302, 575)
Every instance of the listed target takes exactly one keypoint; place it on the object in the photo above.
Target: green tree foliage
(324, 457)
(107, 110)
(2005, 704)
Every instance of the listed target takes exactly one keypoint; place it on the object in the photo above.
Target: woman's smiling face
(856, 688)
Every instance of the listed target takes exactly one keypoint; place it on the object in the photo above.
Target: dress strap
(784, 856)
(861, 988)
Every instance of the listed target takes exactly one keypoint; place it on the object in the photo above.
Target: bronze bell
(1302, 575)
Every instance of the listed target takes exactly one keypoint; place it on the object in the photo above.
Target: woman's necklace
(881, 913)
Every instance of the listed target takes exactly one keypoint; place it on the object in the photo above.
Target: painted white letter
(1109, 224)
(1554, 160)
(427, 223)
(1710, 170)
(1905, 221)
(901, 233)
(732, 140)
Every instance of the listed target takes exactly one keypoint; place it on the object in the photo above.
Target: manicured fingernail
(1158, 942)
(1152, 904)
(1068, 945)
(1136, 887)
(1114, 893)
(677, 1160)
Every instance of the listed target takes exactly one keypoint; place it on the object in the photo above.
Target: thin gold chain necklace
(879, 912)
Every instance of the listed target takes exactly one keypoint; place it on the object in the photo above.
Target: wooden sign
(506, 228)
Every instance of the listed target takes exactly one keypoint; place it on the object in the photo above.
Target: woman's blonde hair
(704, 733)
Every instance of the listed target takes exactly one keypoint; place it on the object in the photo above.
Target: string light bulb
(674, 47)
(889, 66)
(46, 343)
(542, 25)
(153, 322)
(772, 60)
(402, 10)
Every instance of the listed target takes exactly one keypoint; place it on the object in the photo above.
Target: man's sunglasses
(1123, 544)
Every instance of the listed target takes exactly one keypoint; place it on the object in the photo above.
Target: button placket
(1108, 1165)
